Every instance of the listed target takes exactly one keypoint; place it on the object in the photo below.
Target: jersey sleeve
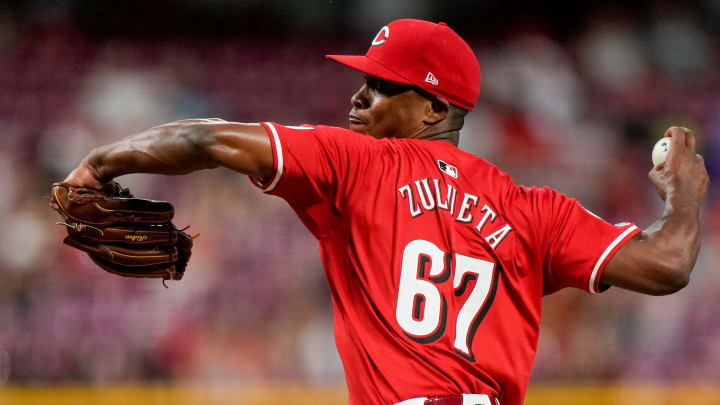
(314, 169)
(577, 243)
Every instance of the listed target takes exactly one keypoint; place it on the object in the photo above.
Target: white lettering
(414, 209)
(488, 214)
(438, 197)
(464, 214)
(452, 199)
(429, 197)
(425, 196)
(496, 237)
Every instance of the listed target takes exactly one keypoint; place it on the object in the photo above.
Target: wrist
(96, 167)
(682, 198)
(685, 214)
(83, 176)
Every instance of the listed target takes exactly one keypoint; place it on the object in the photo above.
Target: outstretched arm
(179, 147)
(659, 260)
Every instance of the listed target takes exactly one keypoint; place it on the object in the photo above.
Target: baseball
(660, 151)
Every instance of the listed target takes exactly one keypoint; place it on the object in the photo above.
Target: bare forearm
(168, 149)
(678, 231)
(182, 147)
(667, 250)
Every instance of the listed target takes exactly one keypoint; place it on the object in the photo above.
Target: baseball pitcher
(437, 261)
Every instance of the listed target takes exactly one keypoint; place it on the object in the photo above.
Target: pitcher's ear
(438, 110)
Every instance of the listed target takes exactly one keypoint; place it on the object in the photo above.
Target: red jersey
(437, 262)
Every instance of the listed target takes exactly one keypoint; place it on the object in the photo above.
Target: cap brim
(368, 66)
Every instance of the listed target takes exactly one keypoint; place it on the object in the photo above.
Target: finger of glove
(126, 256)
(92, 207)
(134, 236)
(160, 271)
(184, 248)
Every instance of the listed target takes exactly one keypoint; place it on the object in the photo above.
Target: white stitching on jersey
(604, 255)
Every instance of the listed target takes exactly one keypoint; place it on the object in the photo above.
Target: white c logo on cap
(381, 36)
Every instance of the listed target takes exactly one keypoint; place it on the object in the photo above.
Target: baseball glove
(132, 237)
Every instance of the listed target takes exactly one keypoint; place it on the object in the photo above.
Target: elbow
(673, 276)
(676, 282)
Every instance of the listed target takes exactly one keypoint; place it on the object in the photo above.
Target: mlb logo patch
(448, 169)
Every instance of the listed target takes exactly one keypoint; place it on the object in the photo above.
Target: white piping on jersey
(278, 151)
(604, 255)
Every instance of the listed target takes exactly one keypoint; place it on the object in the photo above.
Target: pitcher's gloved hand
(132, 237)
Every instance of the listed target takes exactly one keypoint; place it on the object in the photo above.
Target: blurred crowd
(580, 115)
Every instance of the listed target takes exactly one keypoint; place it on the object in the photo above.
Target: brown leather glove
(132, 237)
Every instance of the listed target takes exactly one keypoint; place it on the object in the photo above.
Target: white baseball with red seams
(660, 151)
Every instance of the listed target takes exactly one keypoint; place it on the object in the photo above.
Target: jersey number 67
(422, 309)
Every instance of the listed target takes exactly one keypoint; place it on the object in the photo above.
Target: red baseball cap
(428, 55)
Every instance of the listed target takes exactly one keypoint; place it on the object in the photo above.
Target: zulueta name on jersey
(426, 195)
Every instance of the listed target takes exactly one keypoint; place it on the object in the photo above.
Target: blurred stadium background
(573, 96)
